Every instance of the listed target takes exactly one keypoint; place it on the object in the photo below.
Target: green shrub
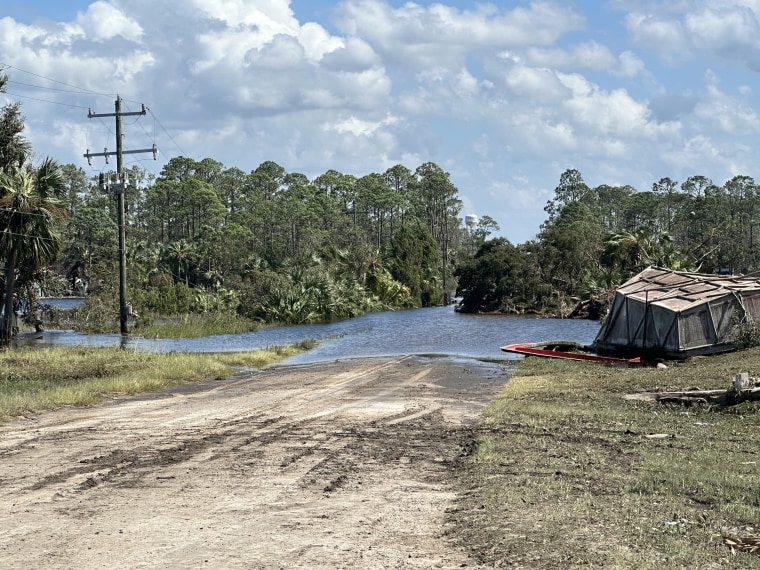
(746, 333)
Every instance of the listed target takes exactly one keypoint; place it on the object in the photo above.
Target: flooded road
(431, 331)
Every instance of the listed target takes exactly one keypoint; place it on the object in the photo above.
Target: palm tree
(629, 251)
(31, 202)
(181, 252)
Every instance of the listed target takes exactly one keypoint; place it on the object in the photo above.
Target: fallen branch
(742, 543)
(740, 391)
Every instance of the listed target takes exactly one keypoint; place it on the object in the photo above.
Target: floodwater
(431, 331)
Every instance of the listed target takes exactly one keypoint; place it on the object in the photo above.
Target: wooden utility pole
(119, 187)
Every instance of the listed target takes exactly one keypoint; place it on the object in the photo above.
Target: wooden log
(728, 397)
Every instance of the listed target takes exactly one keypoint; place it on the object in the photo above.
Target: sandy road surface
(339, 465)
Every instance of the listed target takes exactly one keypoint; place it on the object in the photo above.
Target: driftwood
(593, 308)
(742, 543)
(716, 397)
(742, 390)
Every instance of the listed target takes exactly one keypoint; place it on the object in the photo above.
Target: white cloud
(630, 65)
(538, 84)
(583, 56)
(244, 28)
(24, 39)
(413, 35)
(505, 98)
(317, 42)
(728, 24)
(589, 55)
(725, 29)
(518, 197)
(664, 35)
(609, 112)
(358, 127)
(104, 21)
(466, 85)
(62, 51)
(731, 115)
(280, 52)
(354, 54)
(271, 16)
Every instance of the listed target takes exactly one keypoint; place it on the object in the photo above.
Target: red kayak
(566, 350)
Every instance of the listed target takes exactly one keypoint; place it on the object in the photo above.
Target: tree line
(593, 239)
(271, 244)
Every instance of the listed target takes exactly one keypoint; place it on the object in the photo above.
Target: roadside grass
(33, 380)
(567, 472)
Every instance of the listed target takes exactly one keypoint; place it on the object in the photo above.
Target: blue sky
(505, 96)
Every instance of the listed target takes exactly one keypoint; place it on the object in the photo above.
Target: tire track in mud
(322, 466)
(182, 445)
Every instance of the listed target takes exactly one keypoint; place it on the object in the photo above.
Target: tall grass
(195, 326)
(32, 380)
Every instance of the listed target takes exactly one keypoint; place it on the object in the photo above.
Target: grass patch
(195, 326)
(33, 380)
(566, 471)
(88, 320)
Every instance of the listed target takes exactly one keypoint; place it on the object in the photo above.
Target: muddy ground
(338, 465)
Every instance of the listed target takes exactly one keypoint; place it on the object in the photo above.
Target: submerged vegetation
(571, 469)
(194, 326)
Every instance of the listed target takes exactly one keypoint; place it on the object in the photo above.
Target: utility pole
(119, 187)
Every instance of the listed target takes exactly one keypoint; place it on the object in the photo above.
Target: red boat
(567, 350)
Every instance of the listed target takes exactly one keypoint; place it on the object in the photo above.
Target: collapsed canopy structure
(672, 314)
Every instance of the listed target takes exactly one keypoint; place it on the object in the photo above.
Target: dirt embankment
(341, 465)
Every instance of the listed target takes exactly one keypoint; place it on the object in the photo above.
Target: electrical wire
(5, 66)
(82, 90)
(182, 152)
(93, 247)
(13, 81)
(44, 100)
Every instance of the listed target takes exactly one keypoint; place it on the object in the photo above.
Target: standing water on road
(432, 331)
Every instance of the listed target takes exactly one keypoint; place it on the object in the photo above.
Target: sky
(504, 96)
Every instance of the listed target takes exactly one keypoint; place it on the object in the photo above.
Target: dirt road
(339, 465)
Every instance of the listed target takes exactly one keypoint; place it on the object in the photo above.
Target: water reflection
(63, 303)
(439, 331)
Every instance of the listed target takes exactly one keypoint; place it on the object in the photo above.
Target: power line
(167, 133)
(83, 90)
(80, 89)
(45, 100)
(45, 87)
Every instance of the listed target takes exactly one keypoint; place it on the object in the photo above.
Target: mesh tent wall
(661, 312)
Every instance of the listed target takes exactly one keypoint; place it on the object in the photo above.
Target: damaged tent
(673, 314)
